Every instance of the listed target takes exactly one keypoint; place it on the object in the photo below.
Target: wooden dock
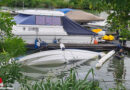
(79, 46)
(102, 47)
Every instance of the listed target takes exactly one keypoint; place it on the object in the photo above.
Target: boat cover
(73, 28)
(65, 10)
(25, 19)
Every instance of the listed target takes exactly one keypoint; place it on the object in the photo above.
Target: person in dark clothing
(120, 53)
(124, 41)
(120, 40)
(117, 33)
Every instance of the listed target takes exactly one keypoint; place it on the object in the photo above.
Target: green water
(112, 72)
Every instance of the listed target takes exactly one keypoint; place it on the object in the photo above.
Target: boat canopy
(37, 20)
(25, 19)
(71, 27)
(65, 10)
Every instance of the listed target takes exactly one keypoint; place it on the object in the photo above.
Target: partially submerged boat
(58, 57)
(49, 25)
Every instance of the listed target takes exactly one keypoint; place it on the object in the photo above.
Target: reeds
(69, 83)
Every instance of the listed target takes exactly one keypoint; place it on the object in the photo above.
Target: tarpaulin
(25, 19)
(65, 10)
(73, 28)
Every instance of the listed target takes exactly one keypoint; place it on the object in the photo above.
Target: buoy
(1, 82)
(111, 37)
(95, 41)
(105, 37)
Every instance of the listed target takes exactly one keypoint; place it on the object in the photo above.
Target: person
(117, 33)
(120, 51)
(120, 40)
(124, 41)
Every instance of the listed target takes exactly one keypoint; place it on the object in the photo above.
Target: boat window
(48, 20)
(56, 20)
(40, 20)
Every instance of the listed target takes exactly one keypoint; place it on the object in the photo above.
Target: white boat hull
(58, 57)
(29, 33)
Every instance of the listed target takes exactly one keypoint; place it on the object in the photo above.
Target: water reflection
(40, 72)
(118, 69)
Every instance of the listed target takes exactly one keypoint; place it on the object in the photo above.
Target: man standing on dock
(122, 41)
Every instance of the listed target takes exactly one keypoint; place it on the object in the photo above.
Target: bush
(10, 47)
(10, 72)
(15, 46)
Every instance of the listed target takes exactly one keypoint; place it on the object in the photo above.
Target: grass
(68, 83)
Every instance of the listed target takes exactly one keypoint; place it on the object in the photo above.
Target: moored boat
(58, 57)
(49, 25)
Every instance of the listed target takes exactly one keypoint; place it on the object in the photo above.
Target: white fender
(62, 46)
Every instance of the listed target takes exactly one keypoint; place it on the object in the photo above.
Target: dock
(98, 47)
(103, 47)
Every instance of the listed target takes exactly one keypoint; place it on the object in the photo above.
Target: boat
(58, 57)
(49, 25)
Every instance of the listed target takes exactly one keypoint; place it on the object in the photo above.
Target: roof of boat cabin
(41, 12)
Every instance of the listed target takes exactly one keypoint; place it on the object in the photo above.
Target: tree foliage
(21, 3)
(80, 4)
(5, 24)
(10, 46)
(118, 11)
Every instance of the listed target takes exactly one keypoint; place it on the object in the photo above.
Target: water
(113, 71)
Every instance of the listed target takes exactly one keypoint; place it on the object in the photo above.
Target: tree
(21, 3)
(118, 11)
(10, 46)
